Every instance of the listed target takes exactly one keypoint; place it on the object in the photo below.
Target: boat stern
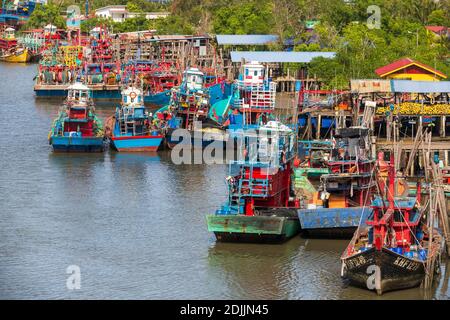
(241, 228)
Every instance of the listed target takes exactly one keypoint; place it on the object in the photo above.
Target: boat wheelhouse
(194, 107)
(133, 128)
(253, 100)
(77, 128)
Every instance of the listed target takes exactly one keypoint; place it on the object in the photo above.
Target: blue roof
(420, 86)
(278, 56)
(247, 39)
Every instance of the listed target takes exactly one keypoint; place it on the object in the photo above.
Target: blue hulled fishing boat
(77, 128)
(133, 128)
(198, 108)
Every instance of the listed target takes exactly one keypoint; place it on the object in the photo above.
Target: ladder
(126, 124)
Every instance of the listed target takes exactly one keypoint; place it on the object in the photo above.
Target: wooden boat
(259, 207)
(77, 129)
(397, 249)
(194, 102)
(336, 184)
(21, 55)
(133, 130)
(10, 50)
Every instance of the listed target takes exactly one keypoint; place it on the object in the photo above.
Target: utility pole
(417, 39)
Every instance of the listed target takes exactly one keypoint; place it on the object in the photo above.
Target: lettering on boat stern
(359, 261)
(406, 264)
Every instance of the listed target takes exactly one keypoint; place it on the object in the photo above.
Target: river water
(135, 224)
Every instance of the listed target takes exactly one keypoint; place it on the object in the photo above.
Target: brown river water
(135, 224)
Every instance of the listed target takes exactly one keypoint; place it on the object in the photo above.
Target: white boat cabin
(254, 73)
(50, 29)
(132, 97)
(79, 93)
(95, 32)
(194, 79)
(10, 33)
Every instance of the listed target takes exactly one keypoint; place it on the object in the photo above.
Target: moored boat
(193, 107)
(336, 184)
(77, 128)
(397, 249)
(10, 50)
(260, 206)
(133, 128)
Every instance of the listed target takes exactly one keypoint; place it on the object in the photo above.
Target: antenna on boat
(391, 179)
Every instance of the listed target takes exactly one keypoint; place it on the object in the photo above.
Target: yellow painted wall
(415, 77)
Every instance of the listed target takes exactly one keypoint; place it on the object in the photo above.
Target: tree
(43, 15)
(249, 17)
(173, 24)
(439, 18)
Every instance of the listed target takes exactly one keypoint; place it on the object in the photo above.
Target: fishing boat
(336, 184)
(133, 128)
(253, 99)
(10, 50)
(260, 205)
(399, 246)
(156, 79)
(194, 104)
(77, 128)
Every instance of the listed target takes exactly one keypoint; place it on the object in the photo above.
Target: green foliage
(133, 7)
(249, 17)
(439, 18)
(43, 15)
(88, 25)
(173, 25)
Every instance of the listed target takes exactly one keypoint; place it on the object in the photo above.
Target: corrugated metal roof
(247, 39)
(278, 56)
(420, 86)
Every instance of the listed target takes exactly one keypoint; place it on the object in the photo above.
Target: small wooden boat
(19, 55)
(10, 50)
(133, 128)
(396, 250)
(77, 128)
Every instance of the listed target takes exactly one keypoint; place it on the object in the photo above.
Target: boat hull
(77, 144)
(197, 140)
(253, 229)
(22, 57)
(333, 222)
(396, 271)
(159, 99)
(137, 144)
(60, 91)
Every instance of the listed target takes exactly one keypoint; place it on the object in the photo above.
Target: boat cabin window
(195, 81)
(79, 95)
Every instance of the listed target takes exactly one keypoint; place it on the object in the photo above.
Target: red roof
(437, 29)
(403, 63)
